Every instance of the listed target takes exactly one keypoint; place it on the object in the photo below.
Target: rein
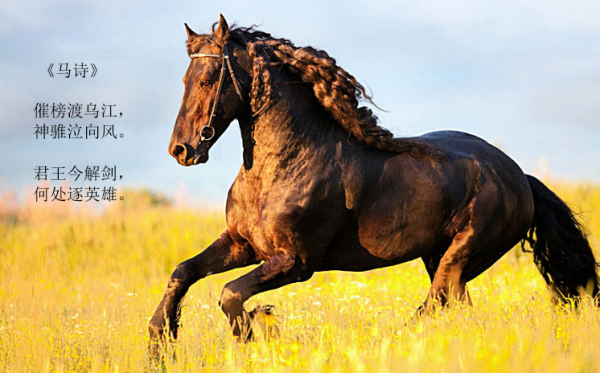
(226, 63)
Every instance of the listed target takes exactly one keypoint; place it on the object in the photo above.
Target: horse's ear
(189, 31)
(222, 28)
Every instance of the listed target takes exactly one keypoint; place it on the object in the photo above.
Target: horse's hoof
(264, 322)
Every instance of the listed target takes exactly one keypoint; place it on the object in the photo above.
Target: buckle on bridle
(207, 138)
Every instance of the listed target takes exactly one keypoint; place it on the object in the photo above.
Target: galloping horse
(323, 187)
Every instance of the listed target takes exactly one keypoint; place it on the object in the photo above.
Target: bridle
(226, 63)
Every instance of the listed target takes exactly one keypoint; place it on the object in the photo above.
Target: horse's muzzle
(186, 155)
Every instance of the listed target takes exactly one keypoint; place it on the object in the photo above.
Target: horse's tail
(561, 250)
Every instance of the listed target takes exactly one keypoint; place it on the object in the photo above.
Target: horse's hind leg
(446, 272)
(471, 252)
(277, 271)
(432, 264)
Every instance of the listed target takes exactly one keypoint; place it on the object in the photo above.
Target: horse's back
(459, 146)
(462, 144)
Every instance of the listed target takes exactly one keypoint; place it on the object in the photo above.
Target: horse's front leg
(279, 270)
(222, 255)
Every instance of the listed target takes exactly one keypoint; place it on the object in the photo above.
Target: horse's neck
(295, 129)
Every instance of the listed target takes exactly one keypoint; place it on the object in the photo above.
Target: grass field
(78, 289)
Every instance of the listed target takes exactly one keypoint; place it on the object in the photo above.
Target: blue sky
(524, 75)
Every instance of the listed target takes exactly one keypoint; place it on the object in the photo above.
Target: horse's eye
(205, 83)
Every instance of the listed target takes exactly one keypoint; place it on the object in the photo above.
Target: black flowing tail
(561, 250)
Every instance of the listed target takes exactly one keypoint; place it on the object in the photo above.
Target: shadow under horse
(323, 187)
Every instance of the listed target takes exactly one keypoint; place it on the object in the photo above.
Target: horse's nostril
(178, 149)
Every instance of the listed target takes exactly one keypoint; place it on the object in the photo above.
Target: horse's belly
(368, 245)
(399, 241)
(384, 237)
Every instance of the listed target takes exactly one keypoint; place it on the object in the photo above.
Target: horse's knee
(231, 299)
(182, 275)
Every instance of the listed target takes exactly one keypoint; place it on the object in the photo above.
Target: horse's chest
(265, 217)
(271, 216)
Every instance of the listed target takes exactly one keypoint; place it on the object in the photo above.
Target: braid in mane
(336, 89)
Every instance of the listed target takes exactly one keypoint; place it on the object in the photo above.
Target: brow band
(197, 55)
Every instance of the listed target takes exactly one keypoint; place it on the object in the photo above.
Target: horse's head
(214, 94)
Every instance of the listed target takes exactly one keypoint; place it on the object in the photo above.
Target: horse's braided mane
(336, 89)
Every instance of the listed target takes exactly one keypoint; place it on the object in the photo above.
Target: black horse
(323, 187)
